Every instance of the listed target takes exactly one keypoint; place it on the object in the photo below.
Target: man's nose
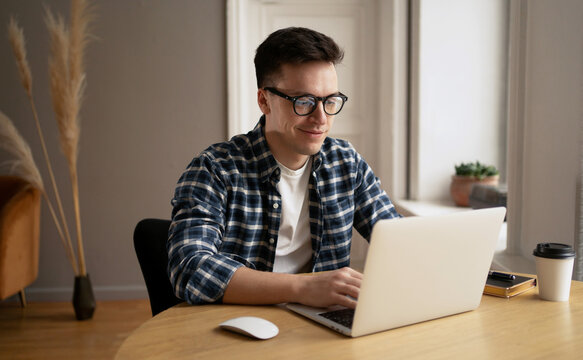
(319, 115)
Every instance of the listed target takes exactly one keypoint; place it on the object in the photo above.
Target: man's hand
(324, 289)
(331, 288)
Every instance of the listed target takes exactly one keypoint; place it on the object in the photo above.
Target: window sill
(426, 208)
(503, 259)
(438, 207)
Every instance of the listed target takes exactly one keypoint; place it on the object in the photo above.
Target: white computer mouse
(251, 326)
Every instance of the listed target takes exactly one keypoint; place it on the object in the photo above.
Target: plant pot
(83, 299)
(461, 187)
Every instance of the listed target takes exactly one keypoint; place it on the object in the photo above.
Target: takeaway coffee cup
(554, 268)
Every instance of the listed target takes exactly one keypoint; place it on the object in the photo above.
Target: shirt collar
(265, 161)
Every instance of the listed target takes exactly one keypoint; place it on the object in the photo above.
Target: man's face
(293, 138)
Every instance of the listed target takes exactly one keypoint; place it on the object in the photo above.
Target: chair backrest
(150, 237)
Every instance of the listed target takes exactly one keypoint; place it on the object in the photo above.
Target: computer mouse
(251, 326)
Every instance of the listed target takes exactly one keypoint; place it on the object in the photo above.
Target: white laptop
(418, 269)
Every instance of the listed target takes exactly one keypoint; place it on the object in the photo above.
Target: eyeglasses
(307, 103)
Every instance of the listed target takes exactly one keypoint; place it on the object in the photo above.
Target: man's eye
(334, 101)
(305, 101)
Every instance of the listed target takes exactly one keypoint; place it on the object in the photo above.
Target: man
(251, 213)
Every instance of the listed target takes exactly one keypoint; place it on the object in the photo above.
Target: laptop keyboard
(342, 316)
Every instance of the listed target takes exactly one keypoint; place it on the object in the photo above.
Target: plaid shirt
(227, 212)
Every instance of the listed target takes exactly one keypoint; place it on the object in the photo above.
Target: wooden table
(523, 327)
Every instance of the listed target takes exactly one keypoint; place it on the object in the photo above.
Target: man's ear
(263, 101)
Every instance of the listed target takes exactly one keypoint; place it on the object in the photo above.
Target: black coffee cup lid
(554, 251)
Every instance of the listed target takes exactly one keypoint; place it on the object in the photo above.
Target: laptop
(418, 269)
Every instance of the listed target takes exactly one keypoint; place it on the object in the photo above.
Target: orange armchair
(19, 235)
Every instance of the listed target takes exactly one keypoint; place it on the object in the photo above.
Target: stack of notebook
(507, 285)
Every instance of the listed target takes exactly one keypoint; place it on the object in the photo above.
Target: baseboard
(101, 293)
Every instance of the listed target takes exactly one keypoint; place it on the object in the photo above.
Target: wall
(156, 96)
(551, 118)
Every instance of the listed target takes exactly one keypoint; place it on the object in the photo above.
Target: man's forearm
(249, 286)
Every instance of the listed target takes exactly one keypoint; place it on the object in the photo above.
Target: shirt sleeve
(371, 203)
(197, 271)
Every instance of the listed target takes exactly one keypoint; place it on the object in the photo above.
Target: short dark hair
(293, 45)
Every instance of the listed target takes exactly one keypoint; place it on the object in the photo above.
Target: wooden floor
(50, 330)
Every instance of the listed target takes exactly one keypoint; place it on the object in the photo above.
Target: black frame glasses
(305, 104)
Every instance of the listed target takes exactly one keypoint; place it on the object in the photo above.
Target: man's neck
(294, 163)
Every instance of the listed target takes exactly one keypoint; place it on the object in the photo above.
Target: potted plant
(468, 174)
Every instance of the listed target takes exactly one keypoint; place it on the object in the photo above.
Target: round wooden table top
(520, 327)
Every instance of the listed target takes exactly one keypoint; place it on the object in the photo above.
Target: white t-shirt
(294, 245)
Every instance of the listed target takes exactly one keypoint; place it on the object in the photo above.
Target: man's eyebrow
(294, 93)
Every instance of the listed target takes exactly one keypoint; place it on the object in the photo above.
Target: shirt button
(271, 241)
(276, 205)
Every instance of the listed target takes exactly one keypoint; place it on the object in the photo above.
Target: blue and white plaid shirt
(227, 212)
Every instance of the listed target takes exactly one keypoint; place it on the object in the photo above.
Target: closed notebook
(508, 288)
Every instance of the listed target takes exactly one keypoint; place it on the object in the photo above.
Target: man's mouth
(313, 132)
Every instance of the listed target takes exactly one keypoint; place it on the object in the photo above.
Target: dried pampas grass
(16, 36)
(67, 78)
(23, 164)
(81, 16)
(67, 85)
(66, 98)
(18, 42)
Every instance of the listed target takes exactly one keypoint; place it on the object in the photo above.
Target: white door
(368, 74)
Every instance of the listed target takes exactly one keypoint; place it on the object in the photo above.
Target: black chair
(150, 237)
